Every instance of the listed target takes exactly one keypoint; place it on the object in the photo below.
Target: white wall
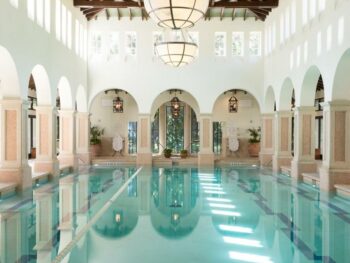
(145, 77)
(30, 44)
(278, 64)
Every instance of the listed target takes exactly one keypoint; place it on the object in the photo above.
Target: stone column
(45, 205)
(162, 129)
(206, 155)
(83, 137)
(14, 166)
(267, 139)
(46, 156)
(187, 128)
(66, 202)
(304, 142)
(336, 145)
(10, 237)
(282, 140)
(67, 152)
(144, 154)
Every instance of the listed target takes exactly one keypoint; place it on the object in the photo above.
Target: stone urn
(254, 149)
(95, 150)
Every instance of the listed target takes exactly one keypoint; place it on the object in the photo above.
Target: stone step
(287, 170)
(37, 177)
(311, 178)
(7, 189)
(343, 190)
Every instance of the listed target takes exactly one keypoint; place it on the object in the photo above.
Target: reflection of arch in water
(122, 216)
(174, 208)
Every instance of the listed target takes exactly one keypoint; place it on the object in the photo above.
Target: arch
(285, 96)
(81, 99)
(245, 90)
(9, 80)
(184, 96)
(42, 85)
(308, 88)
(65, 93)
(269, 100)
(92, 99)
(341, 82)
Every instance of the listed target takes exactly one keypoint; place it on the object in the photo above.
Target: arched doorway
(235, 111)
(115, 111)
(175, 123)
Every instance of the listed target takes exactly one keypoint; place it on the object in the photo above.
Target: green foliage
(175, 130)
(95, 135)
(255, 135)
(167, 152)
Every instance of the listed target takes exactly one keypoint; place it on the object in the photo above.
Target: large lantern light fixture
(176, 14)
(233, 105)
(178, 50)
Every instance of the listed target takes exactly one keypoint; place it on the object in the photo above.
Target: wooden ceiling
(258, 9)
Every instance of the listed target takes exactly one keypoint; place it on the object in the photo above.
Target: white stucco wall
(326, 59)
(29, 45)
(145, 77)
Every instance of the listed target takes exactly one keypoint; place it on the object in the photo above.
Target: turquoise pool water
(234, 214)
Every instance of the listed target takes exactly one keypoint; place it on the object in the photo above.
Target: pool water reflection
(235, 214)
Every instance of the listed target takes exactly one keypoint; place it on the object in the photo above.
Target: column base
(329, 177)
(22, 176)
(300, 167)
(265, 159)
(84, 158)
(279, 160)
(68, 160)
(144, 159)
(206, 160)
(51, 167)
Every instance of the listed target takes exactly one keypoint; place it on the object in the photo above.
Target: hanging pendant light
(179, 50)
(176, 14)
(175, 107)
(118, 105)
(233, 105)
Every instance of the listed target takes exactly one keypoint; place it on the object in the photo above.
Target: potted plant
(183, 154)
(95, 140)
(254, 142)
(167, 153)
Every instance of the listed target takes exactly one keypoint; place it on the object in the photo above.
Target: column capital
(285, 113)
(267, 115)
(306, 109)
(66, 112)
(45, 108)
(336, 105)
(82, 114)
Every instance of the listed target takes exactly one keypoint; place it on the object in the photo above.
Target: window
(237, 43)
(287, 24)
(291, 60)
(220, 44)
(174, 130)
(217, 137)
(31, 9)
(96, 44)
(82, 37)
(274, 35)
(312, 8)
(293, 20)
(130, 43)
(321, 5)
(47, 14)
(329, 37)
(40, 12)
(155, 133)
(77, 37)
(341, 30)
(69, 29)
(64, 24)
(85, 44)
(132, 137)
(305, 12)
(193, 37)
(14, 3)
(113, 43)
(157, 38)
(194, 133)
(298, 55)
(281, 29)
(58, 19)
(255, 43)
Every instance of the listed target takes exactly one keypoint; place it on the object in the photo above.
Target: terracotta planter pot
(254, 149)
(183, 155)
(95, 150)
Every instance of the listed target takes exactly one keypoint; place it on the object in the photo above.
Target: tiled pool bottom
(239, 214)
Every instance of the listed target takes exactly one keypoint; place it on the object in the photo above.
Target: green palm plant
(95, 135)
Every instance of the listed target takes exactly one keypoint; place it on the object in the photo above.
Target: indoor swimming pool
(125, 214)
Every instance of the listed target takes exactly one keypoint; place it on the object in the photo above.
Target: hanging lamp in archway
(175, 107)
(233, 105)
(176, 14)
